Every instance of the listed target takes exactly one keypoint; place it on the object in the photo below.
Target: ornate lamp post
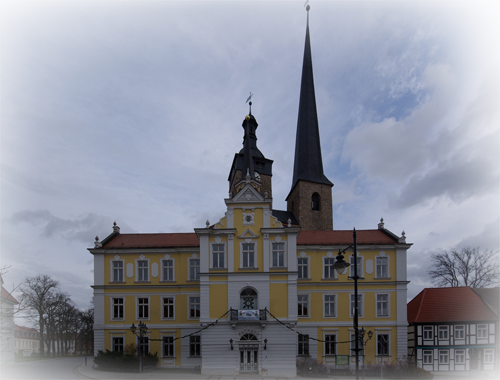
(143, 329)
(362, 334)
(340, 265)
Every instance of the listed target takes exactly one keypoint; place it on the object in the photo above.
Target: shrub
(115, 361)
(308, 366)
(401, 369)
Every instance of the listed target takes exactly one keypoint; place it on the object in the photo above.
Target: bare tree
(37, 296)
(465, 267)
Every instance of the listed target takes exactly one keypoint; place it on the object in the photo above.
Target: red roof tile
(448, 305)
(7, 296)
(153, 241)
(342, 237)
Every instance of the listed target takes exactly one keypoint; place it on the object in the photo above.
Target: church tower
(310, 198)
(250, 165)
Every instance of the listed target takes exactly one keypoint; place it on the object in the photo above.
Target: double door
(249, 359)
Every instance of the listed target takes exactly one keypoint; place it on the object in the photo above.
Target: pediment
(248, 194)
(248, 234)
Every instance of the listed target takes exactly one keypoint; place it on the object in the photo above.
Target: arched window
(248, 299)
(248, 337)
(315, 201)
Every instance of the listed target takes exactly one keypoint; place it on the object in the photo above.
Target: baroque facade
(255, 291)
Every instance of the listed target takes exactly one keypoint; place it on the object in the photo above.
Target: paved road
(51, 369)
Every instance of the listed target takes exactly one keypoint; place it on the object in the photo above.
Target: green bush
(115, 361)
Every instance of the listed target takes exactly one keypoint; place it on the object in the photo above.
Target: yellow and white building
(255, 291)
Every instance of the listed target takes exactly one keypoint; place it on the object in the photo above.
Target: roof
(308, 163)
(490, 296)
(343, 237)
(448, 305)
(7, 296)
(26, 329)
(163, 240)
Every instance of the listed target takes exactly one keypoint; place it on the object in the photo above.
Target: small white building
(7, 303)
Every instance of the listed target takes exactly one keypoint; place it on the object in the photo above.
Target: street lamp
(143, 329)
(362, 333)
(340, 265)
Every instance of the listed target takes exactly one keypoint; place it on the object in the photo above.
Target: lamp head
(133, 328)
(370, 334)
(340, 264)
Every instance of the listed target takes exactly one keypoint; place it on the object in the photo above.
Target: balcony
(246, 316)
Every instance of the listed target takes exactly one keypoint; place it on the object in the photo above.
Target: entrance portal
(249, 354)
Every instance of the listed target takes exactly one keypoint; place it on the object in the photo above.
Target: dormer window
(315, 202)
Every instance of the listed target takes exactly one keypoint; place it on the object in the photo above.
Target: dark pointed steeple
(308, 164)
(310, 198)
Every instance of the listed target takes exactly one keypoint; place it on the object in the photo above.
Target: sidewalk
(181, 374)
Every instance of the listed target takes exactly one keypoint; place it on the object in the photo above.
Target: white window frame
(254, 254)
(482, 331)
(444, 354)
(224, 255)
(163, 269)
(459, 330)
(306, 347)
(147, 345)
(332, 273)
(443, 332)
(273, 252)
(459, 356)
(137, 308)
(325, 308)
(306, 265)
(387, 265)
(163, 317)
(426, 330)
(112, 304)
(361, 305)
(193, 267)
(489, 355)
(196, 344)
(426, 354)
(170, 336)
(112, 268)
(352, 344)
(335, 340)
(115, 336)
(299, 301)
(190, 302)
(360, 266)
(387, 302)
(388, 334)
(137, 269)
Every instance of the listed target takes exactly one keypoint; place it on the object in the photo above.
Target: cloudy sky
(132, 111)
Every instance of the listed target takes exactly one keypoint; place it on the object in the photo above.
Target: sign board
(342, 360)
(248, 315)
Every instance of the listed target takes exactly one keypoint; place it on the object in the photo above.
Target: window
(195, 345)
(330, 306)
(218, 253)
(482, 331)
(168, 270)
(248, 255)
(328, 271)
(194, 269)
(278, 254)
(303, 344)
(302, 267)
(315, 202)
(359, 268)
(360, 305)
(142, 270)
(382, 305)
(382, 266)
(194, 307)
(118, 344)
(459, 356)
(383, 344)
(428, 357)
(143, 345)
(142, 308)
(443, 356)
(117, 271)
(117, 308)
(489, 357)
(443, 332)
(352, 345)
(168, 347)
(428, 332)
(168, 308)
(459, 332)
(303, 307)
(330, 344)
(248, 299)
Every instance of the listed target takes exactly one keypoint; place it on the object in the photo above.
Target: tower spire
(308, 164)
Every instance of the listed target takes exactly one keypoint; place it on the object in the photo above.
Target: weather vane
(249, 103)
